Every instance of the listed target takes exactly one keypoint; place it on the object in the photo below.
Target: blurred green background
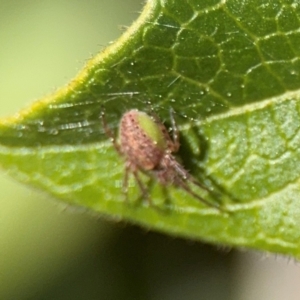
(51, 251)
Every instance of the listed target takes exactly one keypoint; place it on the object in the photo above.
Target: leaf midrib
(240, 110)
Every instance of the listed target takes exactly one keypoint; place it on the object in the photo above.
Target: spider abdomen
(141, 140)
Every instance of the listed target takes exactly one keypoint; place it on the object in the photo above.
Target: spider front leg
(109, 133)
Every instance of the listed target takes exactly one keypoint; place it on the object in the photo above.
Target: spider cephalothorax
(147, 147)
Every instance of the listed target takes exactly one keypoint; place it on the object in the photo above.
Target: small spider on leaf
(147, 147)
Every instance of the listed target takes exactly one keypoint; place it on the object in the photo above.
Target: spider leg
(130, 168)
(109, 133)
(175, 131)
(181, 181)
(186, 175)
(186, 187)
(141, 186)
(125, 182)
(198, 183)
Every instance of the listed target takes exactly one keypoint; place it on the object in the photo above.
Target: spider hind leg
(182, 180)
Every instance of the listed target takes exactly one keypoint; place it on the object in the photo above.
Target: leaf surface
(230, 71)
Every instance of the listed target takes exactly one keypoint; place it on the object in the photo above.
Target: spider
(147, 147)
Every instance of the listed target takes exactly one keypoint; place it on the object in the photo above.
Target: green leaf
(230, 71)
